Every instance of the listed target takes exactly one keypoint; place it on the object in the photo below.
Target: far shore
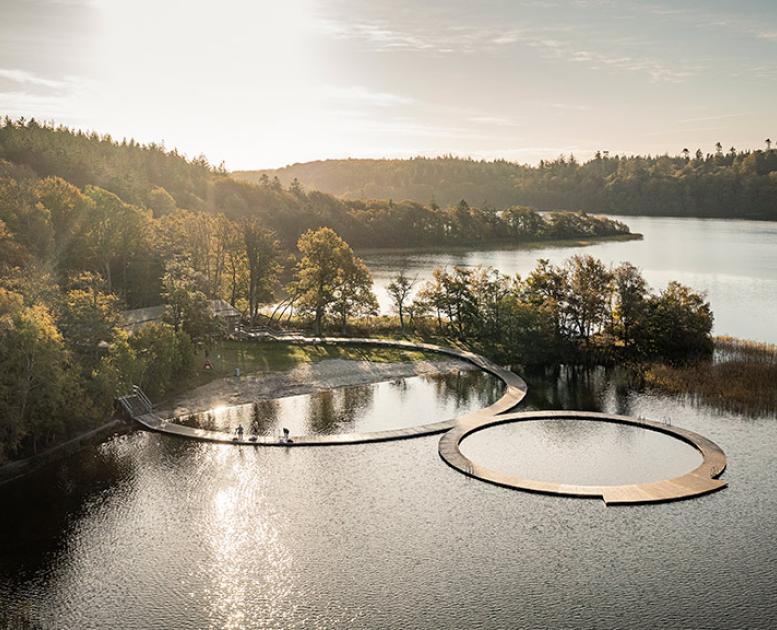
(499, 244)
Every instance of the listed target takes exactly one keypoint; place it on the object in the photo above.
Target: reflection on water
(393, 404)
(150, 531)
(579, 388)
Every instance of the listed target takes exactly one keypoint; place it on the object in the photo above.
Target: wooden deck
(515, 390)
(699, 481)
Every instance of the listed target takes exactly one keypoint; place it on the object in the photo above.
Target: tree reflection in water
(264, 416)
(393, 404)
(336, 410)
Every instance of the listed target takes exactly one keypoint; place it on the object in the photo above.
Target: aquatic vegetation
(741, 377)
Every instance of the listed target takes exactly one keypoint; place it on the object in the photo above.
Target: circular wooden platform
(700, 480)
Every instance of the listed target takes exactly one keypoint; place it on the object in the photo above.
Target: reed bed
(742, 377)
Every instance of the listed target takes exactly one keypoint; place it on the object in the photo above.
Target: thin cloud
(28, 78)
(498, 121)
(550, 42)
(718, 117)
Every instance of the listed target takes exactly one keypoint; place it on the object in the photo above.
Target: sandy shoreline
(303, 379)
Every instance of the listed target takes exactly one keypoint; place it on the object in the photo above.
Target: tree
(187, 308)
(326, 264)
(547, 286)
(399, 289)
(114, 237)
(432, 296)
(588, 294)
(68, 208)
(87, 316)
(164, 355)
(631, 292)
(677, 325)
(33, 379)
(353, 294)
(262, 254)
(12, 254)
(160, 201)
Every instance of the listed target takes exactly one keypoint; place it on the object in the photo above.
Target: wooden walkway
(701, 480)
(515, 390)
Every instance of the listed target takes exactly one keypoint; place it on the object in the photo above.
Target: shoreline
(307, 378)
(501, 244)
(19, 468)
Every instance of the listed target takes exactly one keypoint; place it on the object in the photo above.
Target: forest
(148, 178)
(580, 312)
(723, 184)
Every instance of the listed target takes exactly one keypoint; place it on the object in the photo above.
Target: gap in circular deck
(580, 452)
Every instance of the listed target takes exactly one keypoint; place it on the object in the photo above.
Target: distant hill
(149, 177)
(731, 185)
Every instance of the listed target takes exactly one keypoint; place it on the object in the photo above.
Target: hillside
(148, 177)
(732, 185)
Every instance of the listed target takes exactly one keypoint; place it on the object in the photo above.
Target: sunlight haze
(265, 84)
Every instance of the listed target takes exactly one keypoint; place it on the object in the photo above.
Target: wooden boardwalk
(515, 390)
(701, 480)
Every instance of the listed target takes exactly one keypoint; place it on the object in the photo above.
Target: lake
(148, 531)
(734, 262)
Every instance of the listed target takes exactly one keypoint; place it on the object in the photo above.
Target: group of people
(239, 432)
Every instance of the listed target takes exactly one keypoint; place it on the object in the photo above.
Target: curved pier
(700, 480)
(515, 390)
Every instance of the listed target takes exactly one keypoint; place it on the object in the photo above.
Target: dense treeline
(737, 184)
(579, 312)
(147, 178)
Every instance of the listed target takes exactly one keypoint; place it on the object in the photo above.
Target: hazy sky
(266, 83)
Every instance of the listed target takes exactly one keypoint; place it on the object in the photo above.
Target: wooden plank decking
(701, 480)
(515, 390)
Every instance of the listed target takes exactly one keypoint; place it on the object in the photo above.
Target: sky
(261, 84)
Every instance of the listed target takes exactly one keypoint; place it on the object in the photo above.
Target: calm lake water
(734, 262)
(149, 531)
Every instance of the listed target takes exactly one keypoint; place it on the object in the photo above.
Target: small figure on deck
(239, 431)
(286, 439)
